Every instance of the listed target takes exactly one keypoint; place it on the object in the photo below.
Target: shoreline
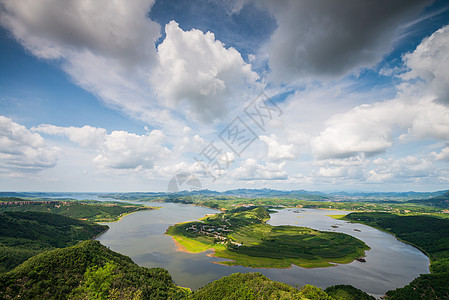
(181, 248)
(127, 214)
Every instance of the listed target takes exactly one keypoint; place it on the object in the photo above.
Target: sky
(122, 96)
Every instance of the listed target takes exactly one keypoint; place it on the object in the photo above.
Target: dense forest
(428, 233)
(256, 286)
(86, 210)
(25, 234)
(91, 271)
(87, 271)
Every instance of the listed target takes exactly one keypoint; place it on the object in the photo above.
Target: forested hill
(429, 234)
(92, 271)
(88, 270)
(438, 201)
(24, 234)
(86, 210)
(257, 286)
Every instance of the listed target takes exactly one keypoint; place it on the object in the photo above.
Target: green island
(243, 236)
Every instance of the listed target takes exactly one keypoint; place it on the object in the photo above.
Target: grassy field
(243, 237)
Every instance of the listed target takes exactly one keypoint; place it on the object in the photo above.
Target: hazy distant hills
(254, 193)
(441, 201)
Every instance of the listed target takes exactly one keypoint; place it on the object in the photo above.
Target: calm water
(389, 263)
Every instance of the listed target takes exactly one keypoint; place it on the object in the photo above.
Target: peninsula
(243, 236)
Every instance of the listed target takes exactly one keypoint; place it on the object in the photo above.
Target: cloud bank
(22, 150)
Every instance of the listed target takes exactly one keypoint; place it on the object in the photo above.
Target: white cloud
(22, 150)
(86, 136)
(195, 68)
(430, 61)
(370, 129)
(250, 169)
(107, 48)
(52, 29)
(188, 142)
(443, 155)
(403, 169)
(276, 151)
(328, 38)
(117, 150)
(349, 168)
(124, 150)
(364, 129)
(182, 167)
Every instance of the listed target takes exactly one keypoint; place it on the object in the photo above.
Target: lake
(389, 264)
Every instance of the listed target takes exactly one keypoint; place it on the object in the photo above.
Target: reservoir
(389, 264)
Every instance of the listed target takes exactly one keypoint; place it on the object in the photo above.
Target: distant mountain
(438, 201)
(391, 195)
(244, 193)
(257, 193)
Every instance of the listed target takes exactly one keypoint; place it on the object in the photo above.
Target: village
(218, 232)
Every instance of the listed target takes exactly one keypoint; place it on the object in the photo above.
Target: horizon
(224, 191)
(324, 96)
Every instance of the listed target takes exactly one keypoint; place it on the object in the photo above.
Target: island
(243, 236)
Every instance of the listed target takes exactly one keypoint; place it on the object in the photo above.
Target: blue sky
(122, 96)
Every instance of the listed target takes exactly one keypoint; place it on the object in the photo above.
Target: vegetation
(228, 203)
(428, 233)
(347, 292)
(441, 201)
(86, 210)
(87, 271)
(25, 234)
(255, 286)
(243, 236)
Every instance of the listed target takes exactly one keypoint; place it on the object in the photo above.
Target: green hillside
(86, 210)
(24, 234)
(428, 233)
(87, 271)
(438, 201)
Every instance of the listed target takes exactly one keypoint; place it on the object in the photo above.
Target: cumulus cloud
(349, 168)
(371, 129)
(117, 150)
(250, 169)
(22, 150)
(196, 69)
(364, 129)
(442, 155)
(277, 151)
(124, 150)
(413, 114)
(406, 168)
(430, 62)
(329, 39)
(107, 47)
(51, 28)
(189, 142)
(86, 136)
